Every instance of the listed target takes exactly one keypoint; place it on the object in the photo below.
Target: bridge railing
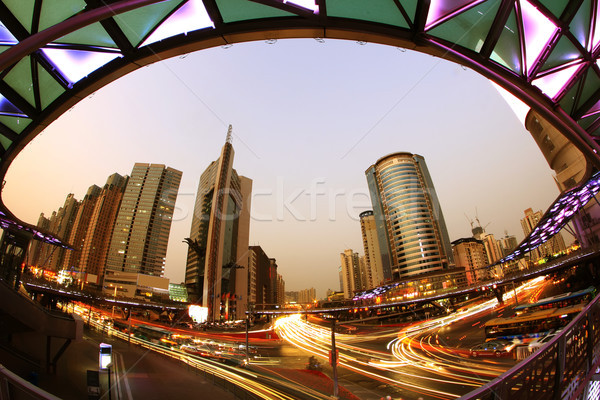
(13, 387)
(560, 370)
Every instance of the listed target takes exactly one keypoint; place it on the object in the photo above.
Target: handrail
(9, 379)
(563, 366)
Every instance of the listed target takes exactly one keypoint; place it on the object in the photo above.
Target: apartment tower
(410, 225)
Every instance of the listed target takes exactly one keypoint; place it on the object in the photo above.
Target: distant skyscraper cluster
(118, 232)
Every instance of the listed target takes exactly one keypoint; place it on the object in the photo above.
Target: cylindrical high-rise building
(410, 224)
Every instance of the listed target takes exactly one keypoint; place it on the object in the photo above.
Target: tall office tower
(280, 290)
(410, 225)
(551, 246)
(217, 261)
(97, 239)
(80, 228)
(492, 247)
(273, 278)
(259, 265)
(36, 246)
(374, 265)
(507, 244)
(307, 296)
(141, 233)
(61, 223)
(351, 279)
(469, 253)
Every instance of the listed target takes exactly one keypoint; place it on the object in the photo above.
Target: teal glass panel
(4, 48)
(580, 25)
(93, 35)
(50, 89)
(381, 11)
(587, 121)
(22, 10)
(469, 28)
(55, 11)
(138, 24)
(554, 6)
(568, 101)
(591, 85)
(508, 49)
(241, 10)
(596, 132)
(19, 78)
(564, 52)
(16, 124)
(410, 6)
(6, 142)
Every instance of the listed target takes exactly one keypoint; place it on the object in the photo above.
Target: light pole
(115, 300)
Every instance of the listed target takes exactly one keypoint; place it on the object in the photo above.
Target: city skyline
(369, 109)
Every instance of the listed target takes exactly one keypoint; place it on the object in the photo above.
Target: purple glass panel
(77, 64)
(190, 17)
(8, 108)
(553, 84)
(440, 9)
(538, 31)
(308, 4)
(5, 36)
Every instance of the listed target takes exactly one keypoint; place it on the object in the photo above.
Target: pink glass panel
(308, 4)
(538, 31)
(440, 9)
(552, 84)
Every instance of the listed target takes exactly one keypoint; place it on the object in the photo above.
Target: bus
(153, 334)
(531, 325)
(559, 301)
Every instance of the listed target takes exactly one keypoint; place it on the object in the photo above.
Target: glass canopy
(54, 53)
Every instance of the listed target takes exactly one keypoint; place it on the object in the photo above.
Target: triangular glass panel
(595, 109)
(596, 37)
(19, 78)
(588, 120)
(91, 35)
(440, 9)
(15, 124)
(508, 48)
(469, 28)
(240, 10)
(190, 17)
(50, 89)
(410, 6)
(381, 11)
(555, 7)
(5, 36)
(137, 24)
(553, 84)
(22, 10)
(580, 25)
(55, 11)
(8, 108)
(591, 86)
(567, 101)
(77, 64)
(5, 142)
(538, 31)
(563, 53)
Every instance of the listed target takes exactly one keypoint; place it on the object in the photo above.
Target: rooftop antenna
(229, 132)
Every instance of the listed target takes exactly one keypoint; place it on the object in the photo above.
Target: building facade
(410, 225)
(141, 233)
(374, 264)
(217, 261)
(351, 276)
(553, 245)
(469, 253)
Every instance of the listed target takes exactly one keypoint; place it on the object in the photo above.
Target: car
(539, 342)
(497, 348)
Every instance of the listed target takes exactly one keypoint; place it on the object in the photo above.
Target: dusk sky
(308, 119)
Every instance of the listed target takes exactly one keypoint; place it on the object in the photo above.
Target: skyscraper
(410, 225)
(141, 233)
(97, 240)
(217, 261)
(351, 276)
(469, 253)
(374, 265)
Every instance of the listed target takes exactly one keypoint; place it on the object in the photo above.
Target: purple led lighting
(77, 64)
(8, 108)
(538, 31)
(552, 84)
(596, 31)
(190, 17)
(5, 36)
(442, 9)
